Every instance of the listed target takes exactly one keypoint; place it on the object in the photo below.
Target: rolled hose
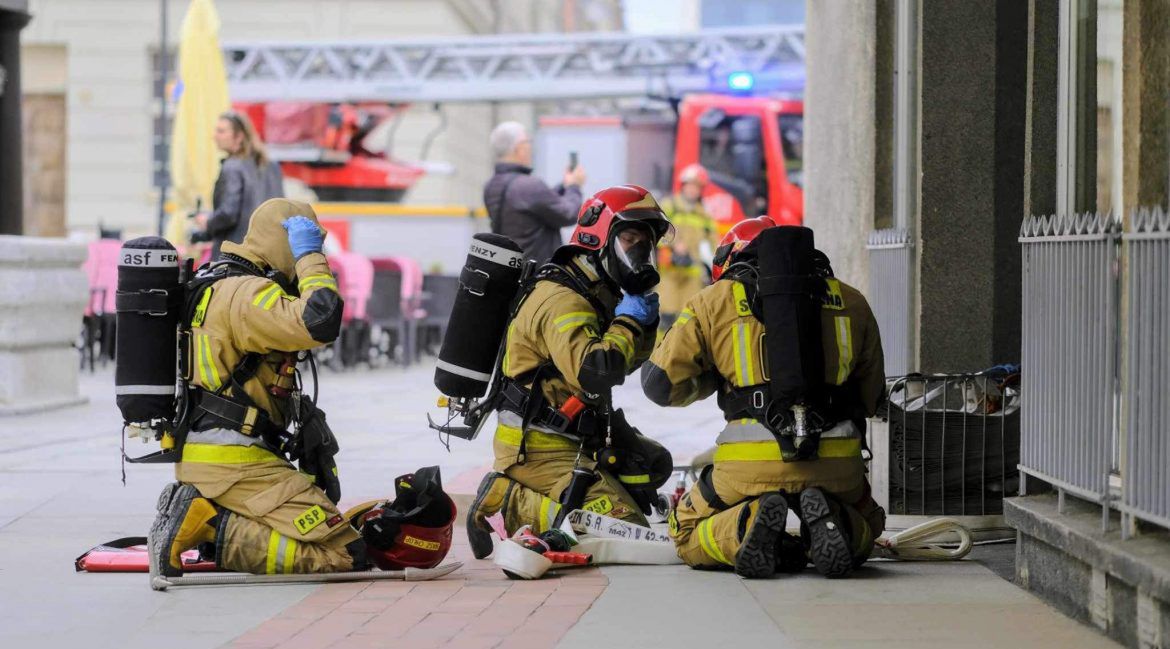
(939, 539)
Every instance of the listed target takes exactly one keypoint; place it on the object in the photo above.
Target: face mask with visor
(633, 262)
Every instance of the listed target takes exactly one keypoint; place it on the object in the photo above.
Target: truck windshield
(731, 148)
(792, 140)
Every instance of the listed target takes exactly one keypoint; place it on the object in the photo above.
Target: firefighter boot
(825, 533)
(756, 558)
(494, 492)
(185, 520)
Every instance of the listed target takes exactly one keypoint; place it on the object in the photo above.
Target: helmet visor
(655, 220)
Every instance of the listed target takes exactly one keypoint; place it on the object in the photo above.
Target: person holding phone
(521, 206)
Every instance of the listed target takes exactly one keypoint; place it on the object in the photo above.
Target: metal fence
(1146, 393)
(890, 264)
(1070, 342)
(954, 443)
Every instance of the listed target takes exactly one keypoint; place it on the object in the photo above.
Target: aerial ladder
(517, 67)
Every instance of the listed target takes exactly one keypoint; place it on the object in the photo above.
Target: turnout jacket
(556, 324)
(718, 344)
(245, 314)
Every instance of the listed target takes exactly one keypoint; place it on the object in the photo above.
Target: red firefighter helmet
(694, 173)
(605, 216)
(736, 239)
(413, 531)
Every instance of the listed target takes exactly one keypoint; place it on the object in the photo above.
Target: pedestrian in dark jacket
(520, 205)
(246, 179)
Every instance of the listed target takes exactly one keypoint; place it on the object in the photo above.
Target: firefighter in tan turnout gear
(584, 323)
(781, 447)
(682, 260)
(270, 297)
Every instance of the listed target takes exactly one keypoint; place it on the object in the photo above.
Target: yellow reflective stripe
(272, 300)
(685, 317)
(290, 551)
(535, 440)
(743, 308)
(224, 454)
(571, 321)
(707, 541)
(741, 337)
(508, 347)
(327, 281)
(273, 549)
(207, 371)
(635, 479)
(623, 344)
(844, 348)
(549, 509)
(691, 219)
(835, 447)
(263, 296)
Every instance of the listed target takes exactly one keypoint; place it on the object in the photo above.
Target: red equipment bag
(129, 555)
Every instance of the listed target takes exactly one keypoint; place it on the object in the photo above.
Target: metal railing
(1146, 393)
(890, 265)
(1070, 342)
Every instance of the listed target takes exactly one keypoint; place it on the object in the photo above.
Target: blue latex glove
(643, 308)
(304, 236)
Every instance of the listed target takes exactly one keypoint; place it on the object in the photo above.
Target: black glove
(325, 477)
(200, 236)
(314, 446)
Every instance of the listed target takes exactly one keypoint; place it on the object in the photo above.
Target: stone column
(1146, 86)
(1040, 137)
(840, 38)
(11, 150)
(41, 305)
(972, 98)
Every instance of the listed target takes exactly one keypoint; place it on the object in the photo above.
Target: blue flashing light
(741, 81)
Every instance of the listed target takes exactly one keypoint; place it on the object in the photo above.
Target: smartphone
(572, 160)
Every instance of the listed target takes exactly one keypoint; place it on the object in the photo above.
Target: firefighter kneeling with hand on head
(795, 401)
(251, 314)
(584, 323)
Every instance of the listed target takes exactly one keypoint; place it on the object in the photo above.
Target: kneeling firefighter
(578, 326)
(795, 358)
(243, 323)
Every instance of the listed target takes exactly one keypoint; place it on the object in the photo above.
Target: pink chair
(98, 322)
(355, 283)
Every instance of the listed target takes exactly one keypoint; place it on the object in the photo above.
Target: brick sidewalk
(475, 608)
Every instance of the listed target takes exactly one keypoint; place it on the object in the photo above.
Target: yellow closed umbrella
(202, 92)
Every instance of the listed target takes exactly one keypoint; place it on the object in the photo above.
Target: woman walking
(247, 178)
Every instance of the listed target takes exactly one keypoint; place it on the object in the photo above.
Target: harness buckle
(758, 400)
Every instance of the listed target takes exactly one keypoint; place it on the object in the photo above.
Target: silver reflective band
(123, 390)
(462, 371)
(153, 258)
(496, 254)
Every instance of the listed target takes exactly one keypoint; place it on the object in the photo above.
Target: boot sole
(161, 507)
(173, 503)
(479, 539)
(756, 558)
(829, 548)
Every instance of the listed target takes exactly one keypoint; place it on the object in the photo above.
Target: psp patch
(600, 505)
(310, 519)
